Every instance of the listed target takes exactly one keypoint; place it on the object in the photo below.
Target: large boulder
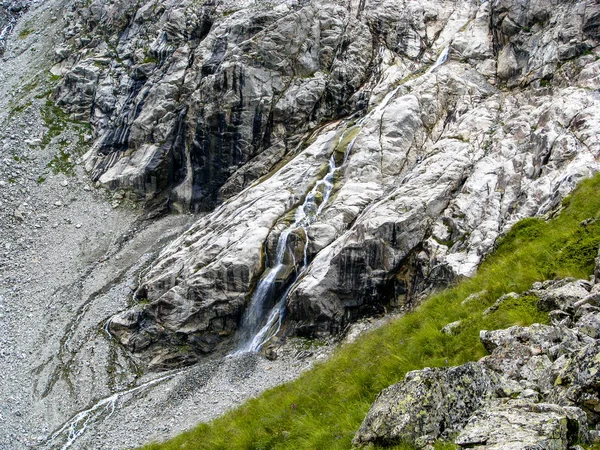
(522, 425)
(427, 405)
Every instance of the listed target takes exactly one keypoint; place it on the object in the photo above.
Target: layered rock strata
(457, 118)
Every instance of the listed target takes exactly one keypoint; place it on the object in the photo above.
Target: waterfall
(262, 321)
(442, 58)
(266, 311)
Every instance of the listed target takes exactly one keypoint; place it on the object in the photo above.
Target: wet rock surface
(538, 387)
(457, 120)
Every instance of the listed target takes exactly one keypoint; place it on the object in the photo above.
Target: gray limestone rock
(522, 425)
(563, 297)
(429, 404)
(589, 324)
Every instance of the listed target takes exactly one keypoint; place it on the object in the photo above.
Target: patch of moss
(62, 163)
(55, 120)
(150, 59)
(447, 242)
(25, 32)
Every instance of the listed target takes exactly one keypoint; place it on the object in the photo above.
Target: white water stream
(261, 322)
(76, 426)
(442, 58)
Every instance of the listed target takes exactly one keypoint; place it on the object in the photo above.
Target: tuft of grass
(55, 120)
(325, 406)
(17, 109)
(24, 33)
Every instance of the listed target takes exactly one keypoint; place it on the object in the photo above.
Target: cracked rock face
(538, 387)
(448, 122)
(429, 403)
(521, 425)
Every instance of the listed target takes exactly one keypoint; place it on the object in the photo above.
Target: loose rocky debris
(10, 12)
(538, 387)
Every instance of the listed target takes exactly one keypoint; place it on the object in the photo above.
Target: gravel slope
(70, 258)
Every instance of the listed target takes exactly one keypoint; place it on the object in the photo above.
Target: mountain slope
(325, 407)
(182, 179)
(445, 123)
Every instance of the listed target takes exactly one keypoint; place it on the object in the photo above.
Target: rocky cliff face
(446, 122)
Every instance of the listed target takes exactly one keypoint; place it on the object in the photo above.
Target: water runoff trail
(262, 320)
(66, 436)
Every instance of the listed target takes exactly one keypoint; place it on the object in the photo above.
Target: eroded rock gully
(458, 118)
(538, 387)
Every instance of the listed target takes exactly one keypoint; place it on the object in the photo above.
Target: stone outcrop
(428, 404)
(456, 118)
(520, 424)
(538, 387)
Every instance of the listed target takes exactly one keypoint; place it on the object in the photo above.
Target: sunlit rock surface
(458, 119)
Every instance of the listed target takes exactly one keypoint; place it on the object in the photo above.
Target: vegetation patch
(24, 33)
(62, 163)
(325, 406)
(18, 109)
(57, 121)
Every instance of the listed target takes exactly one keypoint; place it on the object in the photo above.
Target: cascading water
(261, 321)
(442, 58)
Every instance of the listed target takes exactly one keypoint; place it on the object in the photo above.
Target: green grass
(23, 34)
(325, 406)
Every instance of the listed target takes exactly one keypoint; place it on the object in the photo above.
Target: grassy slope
(325, 406)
